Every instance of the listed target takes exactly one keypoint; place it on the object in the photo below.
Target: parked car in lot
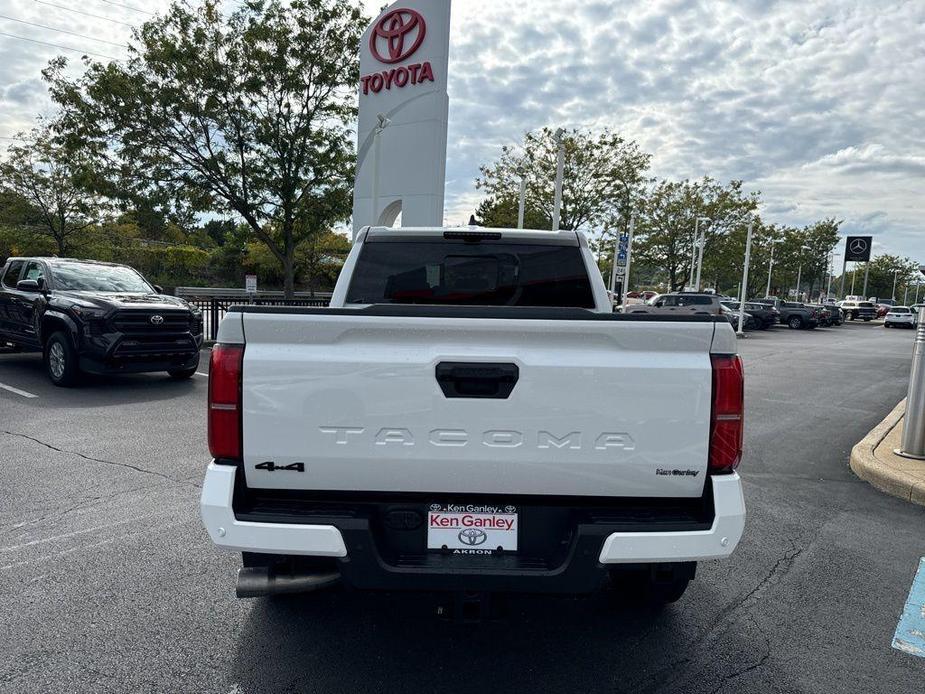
(733, 318)
(829, 315)
(87, 316)
(763, 316)
(793, 313)
(855, 310)
(901, 317)
(685, 303)
(432, 429)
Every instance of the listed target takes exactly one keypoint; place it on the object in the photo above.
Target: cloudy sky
(819, 104)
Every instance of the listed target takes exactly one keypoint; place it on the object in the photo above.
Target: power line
(85, 14)
(63, 31)
(127, 7)
(55, 45)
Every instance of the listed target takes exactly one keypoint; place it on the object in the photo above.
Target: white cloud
(818, 104)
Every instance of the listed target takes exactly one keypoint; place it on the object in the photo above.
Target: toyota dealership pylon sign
(401, 133)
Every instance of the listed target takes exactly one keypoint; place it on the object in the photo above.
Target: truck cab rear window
(460, 273)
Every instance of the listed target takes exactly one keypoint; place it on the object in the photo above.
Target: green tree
(880, 278)
(602, 174)
(45, 186)
(666, 222)
(248, 114)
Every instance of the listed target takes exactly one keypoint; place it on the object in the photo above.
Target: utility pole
(866, 277)
(895, 276)
(560, 170)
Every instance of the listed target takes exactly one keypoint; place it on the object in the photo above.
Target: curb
(890, 478)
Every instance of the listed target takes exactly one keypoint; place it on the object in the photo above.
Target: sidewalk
(873, 460)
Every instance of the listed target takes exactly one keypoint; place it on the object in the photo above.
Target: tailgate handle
(479, 380)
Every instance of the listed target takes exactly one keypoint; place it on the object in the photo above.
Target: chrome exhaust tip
(261, 581)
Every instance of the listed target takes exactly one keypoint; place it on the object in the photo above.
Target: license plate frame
(473, 529)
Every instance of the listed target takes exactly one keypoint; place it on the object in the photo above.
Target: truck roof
(565, 238)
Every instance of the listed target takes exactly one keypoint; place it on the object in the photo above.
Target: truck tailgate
(598, 407)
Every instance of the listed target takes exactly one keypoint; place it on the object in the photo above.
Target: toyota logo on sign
(397, 35)
(858, 246)
(473, 537)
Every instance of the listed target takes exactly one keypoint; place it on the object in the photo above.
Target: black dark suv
(87, 316)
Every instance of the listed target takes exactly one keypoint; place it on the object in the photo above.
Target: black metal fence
(214, 303)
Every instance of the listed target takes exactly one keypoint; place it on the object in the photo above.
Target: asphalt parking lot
(108, 582)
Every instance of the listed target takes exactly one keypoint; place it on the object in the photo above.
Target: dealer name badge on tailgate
(472, 528)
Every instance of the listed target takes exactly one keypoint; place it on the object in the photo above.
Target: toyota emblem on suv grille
(157, 320)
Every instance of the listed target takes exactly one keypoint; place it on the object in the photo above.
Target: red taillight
(728, 425)
(225, 401)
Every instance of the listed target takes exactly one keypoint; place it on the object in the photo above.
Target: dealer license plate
(472, 528)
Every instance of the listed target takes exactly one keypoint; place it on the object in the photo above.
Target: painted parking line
(203, 374)
(17, 391)
(910, 632)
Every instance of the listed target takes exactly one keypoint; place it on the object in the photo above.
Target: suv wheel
(61, 360)
(795, 322)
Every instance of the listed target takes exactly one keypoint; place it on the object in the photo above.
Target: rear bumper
(581, 558)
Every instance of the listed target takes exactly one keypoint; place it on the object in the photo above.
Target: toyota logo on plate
(400, 32)
(472, 537)
(157, 320)
(858, 246)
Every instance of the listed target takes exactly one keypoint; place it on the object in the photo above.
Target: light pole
(383, 124)
(800, 271)
(703, 241)
(616, 250)
(895, 276)
(744, 288)
(560, 170)
(521, 208)
(828, 292)
(774, 242)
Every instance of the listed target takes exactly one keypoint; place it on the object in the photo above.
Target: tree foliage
(666, 221)
(602, 174)
(45, 186)
(248, 115)
(881, 272)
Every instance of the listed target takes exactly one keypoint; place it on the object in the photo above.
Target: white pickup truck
(469, 415)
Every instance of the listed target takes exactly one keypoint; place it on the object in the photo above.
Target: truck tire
(795, 322)
(61, 362)
(183, 374)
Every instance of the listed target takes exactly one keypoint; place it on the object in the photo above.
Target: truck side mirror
(29, 286)
(159, 289)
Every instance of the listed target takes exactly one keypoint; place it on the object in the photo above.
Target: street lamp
(383, 124)
(828, 291)
(560, 169)
(744, 289)
(523, 197)
(703, 241)
(774, 242)
(800, 272)
(895, 276)
(616, 248)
